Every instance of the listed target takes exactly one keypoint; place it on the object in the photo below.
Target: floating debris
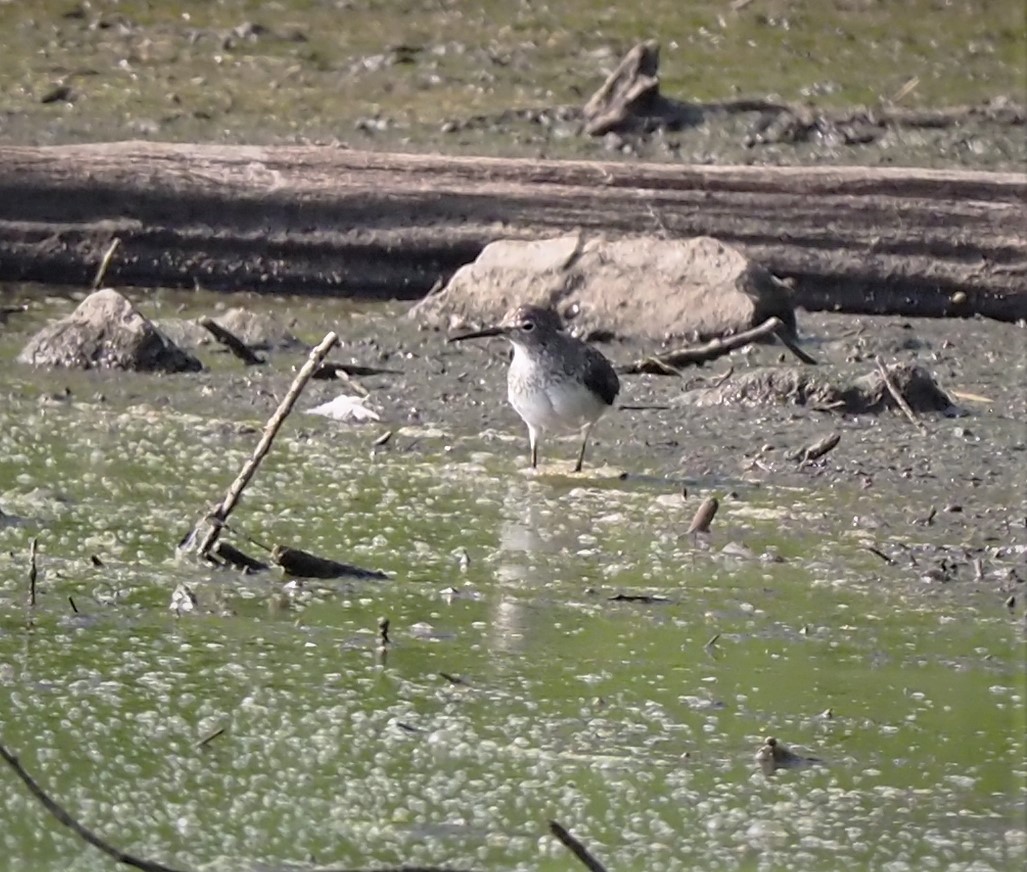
(638, 598)
(772, 755)
(347, 409)
(298, 562)
(183, 600)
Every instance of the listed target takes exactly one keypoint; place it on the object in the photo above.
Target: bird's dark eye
(528, 326)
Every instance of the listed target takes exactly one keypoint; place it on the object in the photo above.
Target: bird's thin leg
(533, 435)
(584, 441)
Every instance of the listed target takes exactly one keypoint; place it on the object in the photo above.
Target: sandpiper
(555, 380)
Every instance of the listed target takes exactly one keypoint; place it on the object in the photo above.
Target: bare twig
(33, 572)
(120, 856)
(58, 812)
(232, 342)
(670, 363)
(217, 516)
(210, 737)
(877, 552)
(897, 396)
(793, 347)
(105, 263)
(908, 87)
(330, 370)
(576, 848)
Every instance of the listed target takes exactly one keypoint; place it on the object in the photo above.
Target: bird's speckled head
(530, 325)
(526, 325)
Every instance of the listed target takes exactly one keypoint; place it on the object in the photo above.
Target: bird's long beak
(479, 334)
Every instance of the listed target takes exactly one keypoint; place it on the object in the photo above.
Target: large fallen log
(325, 220)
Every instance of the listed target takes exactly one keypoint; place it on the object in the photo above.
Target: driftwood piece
(896, 395)
(239, 559)
(671, 362)
(306, 565)
(632, 90)
(857, 239)
(630, 102)
(207, 530)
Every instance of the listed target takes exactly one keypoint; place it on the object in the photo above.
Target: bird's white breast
(558, 401)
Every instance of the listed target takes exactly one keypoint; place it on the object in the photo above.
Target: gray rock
(107, 331)
(639, 286)
(259, 331)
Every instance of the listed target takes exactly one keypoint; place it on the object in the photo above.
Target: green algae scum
(559, 648)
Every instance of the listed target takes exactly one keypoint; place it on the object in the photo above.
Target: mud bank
(331, 221)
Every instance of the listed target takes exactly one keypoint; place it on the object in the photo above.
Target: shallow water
(619, 719)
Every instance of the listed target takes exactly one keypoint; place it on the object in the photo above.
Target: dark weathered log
(306, 565)
(325, 220)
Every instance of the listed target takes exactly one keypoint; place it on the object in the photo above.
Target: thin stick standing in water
(105, 263)
(576, 848)
(216, 518)
(703, 516)
(897, 396)
(33, 572)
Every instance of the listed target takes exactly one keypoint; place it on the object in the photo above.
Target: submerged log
(326, 220)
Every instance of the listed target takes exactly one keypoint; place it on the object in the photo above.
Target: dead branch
(897, 396)
(670, 363)
(219, 514)
(239, 559)
(305, 565)
(330, 370)
(65, 818)
(210, 737)
(119, 856)
(576, 848)
(631, 89)
(33, 572)
(232, 342)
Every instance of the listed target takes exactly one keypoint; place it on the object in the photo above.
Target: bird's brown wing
(600, 377)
